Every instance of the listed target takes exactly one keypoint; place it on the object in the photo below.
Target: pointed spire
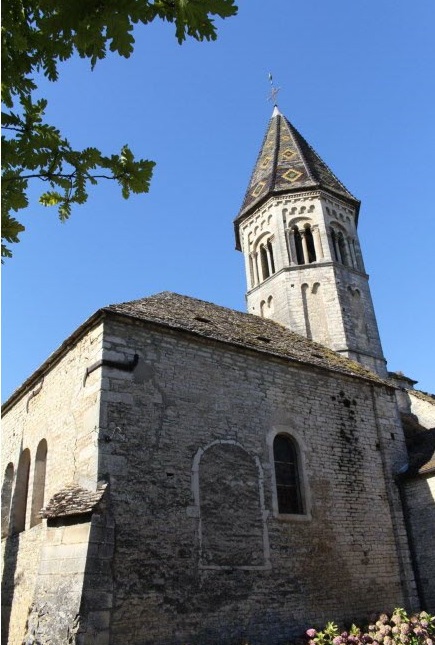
(287, 163)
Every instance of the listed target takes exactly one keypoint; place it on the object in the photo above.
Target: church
(179, 473)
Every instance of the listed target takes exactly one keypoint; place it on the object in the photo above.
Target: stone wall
(420, 505)
(61, 410)
(423, 406)
(202, 556)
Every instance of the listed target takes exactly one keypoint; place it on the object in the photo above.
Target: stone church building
(179, 473)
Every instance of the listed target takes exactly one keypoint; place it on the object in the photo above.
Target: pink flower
(311, 633)
(388, 640)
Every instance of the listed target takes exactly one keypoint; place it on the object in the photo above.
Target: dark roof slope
(230, 326)
(287, 163)
(73, 500)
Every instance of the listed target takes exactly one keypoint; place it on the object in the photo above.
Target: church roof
(73, 500)
(287, 163)
(238, 328)
(205, 319)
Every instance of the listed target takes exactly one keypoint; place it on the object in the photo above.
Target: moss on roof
(245, 330)
(424, 396)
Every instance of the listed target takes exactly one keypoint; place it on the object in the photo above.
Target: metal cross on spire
(273, 90)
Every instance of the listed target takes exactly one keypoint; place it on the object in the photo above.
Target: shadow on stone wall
(419, 506)
(10, 559)
(97, 595)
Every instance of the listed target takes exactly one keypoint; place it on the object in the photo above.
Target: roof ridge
(238, 328)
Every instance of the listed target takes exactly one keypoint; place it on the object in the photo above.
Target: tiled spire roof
(287, 163)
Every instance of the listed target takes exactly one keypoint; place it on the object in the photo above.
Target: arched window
(264, 264)
(342, 247)
(298, 246)
(263, 261)
(288, 489)
(272, 261)
(310, 244)
(251, 271)
(19, 505)
(39, 482)
(7, 498)
(335, 245)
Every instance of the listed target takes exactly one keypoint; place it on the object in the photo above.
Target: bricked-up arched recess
(19, 505)
(39, 482)
(316, 322)
(7, 498)
(287, 476)
(228, 486)
(357, 310)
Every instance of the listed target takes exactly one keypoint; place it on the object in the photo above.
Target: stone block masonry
(191, 567)
(58, 409)
(183, 540)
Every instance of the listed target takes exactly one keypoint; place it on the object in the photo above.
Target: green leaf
(36, 36)
(50, 198)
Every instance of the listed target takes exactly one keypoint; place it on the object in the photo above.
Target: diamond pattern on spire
(287, 162)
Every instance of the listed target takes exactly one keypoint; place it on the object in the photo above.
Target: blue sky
(357, 80)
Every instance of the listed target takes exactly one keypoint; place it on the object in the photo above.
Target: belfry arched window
(343, 249)
(310, 244)
(301, 245)
(264, 264)
(334, 245)
(262, 260)
(298, 246)
(271, 258)
(287, 476)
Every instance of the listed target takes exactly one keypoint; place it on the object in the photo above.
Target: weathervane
(273, 90)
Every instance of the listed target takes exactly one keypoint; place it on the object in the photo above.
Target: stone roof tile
(424, 396)
(242, 329)
(73, 500)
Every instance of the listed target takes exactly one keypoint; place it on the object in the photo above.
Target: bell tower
(297, 229)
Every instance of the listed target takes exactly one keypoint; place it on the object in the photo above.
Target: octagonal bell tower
(297, 229)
